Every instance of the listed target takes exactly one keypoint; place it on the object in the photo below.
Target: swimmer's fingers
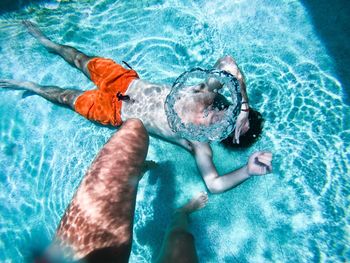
(237, 133)
(267, 154)
(265, 158)
(263, 154)
(242, 125)
(259, 163)
(265, 163)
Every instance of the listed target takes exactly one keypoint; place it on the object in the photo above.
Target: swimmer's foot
(16, 85)
(39, 35)
(195, 203)
(33, 29)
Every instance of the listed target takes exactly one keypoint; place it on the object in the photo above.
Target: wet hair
(220, 102)
(256, 122)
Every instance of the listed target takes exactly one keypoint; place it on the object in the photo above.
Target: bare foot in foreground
(195, 203)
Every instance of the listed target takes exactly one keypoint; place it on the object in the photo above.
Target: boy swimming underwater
(122, 95)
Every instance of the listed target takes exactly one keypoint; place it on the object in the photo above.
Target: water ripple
(44, 149)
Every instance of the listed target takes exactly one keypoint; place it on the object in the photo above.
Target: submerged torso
(148, 105)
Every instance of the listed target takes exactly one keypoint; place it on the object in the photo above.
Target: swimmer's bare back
(97, 225)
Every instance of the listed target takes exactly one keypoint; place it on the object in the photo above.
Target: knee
(79, 60)
(64, 98)
(135, 123)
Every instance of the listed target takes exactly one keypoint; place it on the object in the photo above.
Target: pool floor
(297, 214)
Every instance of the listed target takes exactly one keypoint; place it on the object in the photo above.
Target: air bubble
(216, 131)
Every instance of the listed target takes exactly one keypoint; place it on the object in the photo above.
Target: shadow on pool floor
(331, 20)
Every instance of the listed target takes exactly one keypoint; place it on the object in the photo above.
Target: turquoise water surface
(300, 213)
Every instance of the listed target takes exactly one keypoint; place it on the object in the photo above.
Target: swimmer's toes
(27, 24)
(203, 200)
(200, 201)
(203, 196)
(5, 84)
(12, 84)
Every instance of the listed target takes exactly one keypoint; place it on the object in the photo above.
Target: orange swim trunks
(101, 104)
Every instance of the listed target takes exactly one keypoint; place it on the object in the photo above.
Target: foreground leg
(97, 225)
(73, 56)
(178, 245)
(54, 94)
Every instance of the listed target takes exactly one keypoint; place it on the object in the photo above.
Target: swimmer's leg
(54, 94)
(98, 223)
(73, 56)
(178, 245)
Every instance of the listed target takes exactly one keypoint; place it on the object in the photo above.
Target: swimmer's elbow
(213, 190)
(214, 187)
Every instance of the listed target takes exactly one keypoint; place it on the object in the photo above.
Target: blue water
(300, 213)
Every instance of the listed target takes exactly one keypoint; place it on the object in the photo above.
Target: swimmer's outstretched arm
(259, 163)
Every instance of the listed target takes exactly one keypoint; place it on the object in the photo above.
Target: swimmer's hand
(259, 163)
(242, 125)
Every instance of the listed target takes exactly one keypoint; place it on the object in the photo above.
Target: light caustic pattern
(297, 214)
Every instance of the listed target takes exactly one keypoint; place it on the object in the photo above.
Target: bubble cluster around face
(216, 131)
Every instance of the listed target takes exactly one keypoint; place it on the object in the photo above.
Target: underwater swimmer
(144, 100)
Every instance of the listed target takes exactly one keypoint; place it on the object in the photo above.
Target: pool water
(300, 213)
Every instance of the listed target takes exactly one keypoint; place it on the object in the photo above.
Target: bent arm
(229, 65)
(215, 183)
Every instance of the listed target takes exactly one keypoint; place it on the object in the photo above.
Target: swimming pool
(297, 214)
